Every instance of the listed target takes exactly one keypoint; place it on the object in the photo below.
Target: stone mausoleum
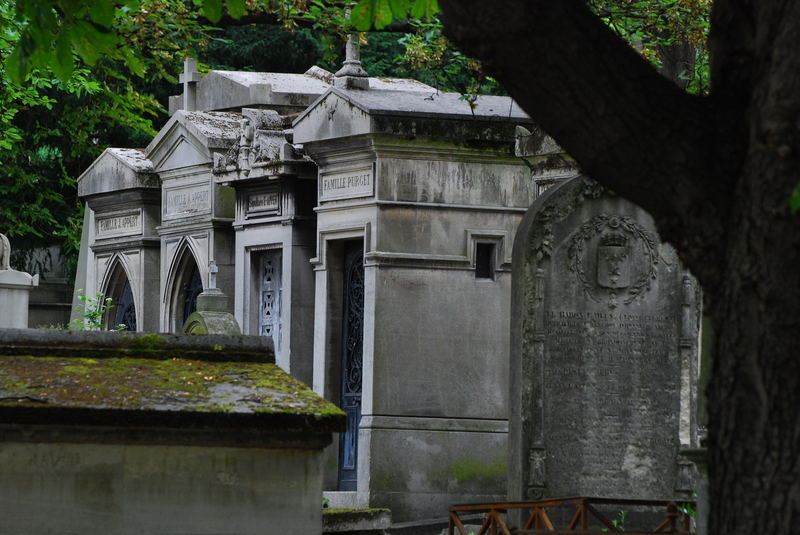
(365, 225)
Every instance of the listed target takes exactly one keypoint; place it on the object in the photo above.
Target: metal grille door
(270, 301)
(352, 347)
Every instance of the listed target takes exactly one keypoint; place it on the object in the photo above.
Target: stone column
(15, 287)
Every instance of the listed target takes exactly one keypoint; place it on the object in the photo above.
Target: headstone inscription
(603, 361)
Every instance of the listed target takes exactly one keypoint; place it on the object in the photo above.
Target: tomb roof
(233, 90)
(207, 131)
(133, 158)
(340, 113)
(432, 103)
(110, 377)
(115, 170)
(217, 128)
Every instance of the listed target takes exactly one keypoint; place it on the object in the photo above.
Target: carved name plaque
(119, 225)
(348, 185)
(187, 200)
(261, 202)
(596, 409)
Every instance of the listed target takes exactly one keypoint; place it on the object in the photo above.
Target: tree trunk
(716, 173)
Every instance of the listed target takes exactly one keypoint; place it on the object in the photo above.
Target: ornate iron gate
(270, 302)
(352, 344)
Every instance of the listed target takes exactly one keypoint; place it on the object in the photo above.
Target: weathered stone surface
(367, 521)
(603, 359)
(15, 287)
(108, 433)
(229, 90)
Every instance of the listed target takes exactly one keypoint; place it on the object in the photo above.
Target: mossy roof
(173, 384)
(155, 388)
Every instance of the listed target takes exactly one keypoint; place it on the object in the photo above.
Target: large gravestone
(604, 351)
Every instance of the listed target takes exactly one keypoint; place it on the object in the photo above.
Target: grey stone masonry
(117, 434)
(603, 351)
(282, 92)
(119, 243)
(426, 190)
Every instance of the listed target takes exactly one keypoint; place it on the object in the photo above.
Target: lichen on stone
(174, 384)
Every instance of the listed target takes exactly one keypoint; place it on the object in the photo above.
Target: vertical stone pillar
(15, 287)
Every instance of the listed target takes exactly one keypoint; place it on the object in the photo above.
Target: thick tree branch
(629, 127)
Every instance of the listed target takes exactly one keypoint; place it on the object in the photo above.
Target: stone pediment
(339, 113)
(190, 139)
(117, 170)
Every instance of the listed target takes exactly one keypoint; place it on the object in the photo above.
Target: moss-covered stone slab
(167, 385)
(361, 520)
(135, 390)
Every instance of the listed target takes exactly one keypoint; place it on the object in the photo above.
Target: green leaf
(794, 200)
(400, 8)
(16, 65)
(424, 9)
(102, 13)
(361, 15)
(135, 64)
(236, 8)
(212, 10)
(369, 13)
(91, 42)
(64, 65)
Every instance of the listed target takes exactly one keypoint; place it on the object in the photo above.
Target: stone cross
(352, 75)
(189, 79)
(5, 253)
(212, 275)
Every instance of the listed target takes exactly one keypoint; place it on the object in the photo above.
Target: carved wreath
(594, 227)
(559, 209)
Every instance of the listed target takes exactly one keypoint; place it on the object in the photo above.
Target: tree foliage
(79, 75)
(62, 108)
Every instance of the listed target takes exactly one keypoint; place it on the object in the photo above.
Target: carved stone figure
(5, 253)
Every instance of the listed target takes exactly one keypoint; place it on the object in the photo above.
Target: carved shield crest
(613, 261)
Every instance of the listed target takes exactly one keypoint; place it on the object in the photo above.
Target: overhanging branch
(629, 127)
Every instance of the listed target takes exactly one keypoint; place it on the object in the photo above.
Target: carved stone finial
(5, 253)
(352, 75)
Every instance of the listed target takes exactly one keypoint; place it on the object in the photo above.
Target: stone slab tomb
(604, 350)
(115, 434)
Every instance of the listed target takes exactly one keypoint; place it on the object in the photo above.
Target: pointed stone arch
(185, 281)
(118, 285)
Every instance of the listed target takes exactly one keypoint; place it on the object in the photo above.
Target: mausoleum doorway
(118, 289)
(186, 286)
(352, 336)
(267, 282)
